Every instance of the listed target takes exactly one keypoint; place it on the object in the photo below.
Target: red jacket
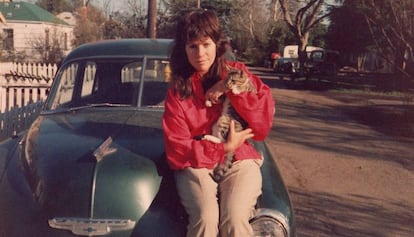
(185, 119)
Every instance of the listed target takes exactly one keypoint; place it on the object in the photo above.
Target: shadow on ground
(326, 215)
(380, 110)
(324, 128)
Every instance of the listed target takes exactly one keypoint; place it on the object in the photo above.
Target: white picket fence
(18, 119)
(23, 88)
(24, 83)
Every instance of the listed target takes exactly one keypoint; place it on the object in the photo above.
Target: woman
(198, 66)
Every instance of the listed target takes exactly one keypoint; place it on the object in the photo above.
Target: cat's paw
(209, 103)
(235, 91)
(212, 139)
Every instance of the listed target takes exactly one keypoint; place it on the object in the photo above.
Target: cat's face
(236, 78)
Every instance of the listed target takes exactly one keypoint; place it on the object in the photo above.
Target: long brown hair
(191, 26)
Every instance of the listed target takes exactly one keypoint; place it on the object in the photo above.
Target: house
(27, 29)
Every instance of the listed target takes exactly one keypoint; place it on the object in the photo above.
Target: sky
(115, 5)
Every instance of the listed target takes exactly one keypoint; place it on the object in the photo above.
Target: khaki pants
(220, 208)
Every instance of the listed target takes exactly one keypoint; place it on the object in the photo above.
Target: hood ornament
(91, 227)
(104, 149)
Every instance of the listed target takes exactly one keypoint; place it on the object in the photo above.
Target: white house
(24, 26)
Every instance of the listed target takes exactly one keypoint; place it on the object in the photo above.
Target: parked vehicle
(93, 163)
(292, 51)
(322, 62)
(286, 65)
(289, 63)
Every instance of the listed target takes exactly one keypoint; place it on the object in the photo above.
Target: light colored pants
(237, 194)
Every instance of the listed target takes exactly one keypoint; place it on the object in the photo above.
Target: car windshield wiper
(87, 106)
(97, 105)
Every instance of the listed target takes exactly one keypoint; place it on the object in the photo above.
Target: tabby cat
(237, 81)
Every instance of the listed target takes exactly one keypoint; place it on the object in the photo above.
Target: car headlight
(269, 223)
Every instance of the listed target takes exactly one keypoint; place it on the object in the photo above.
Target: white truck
(292, 51)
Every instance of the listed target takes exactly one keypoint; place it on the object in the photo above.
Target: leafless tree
(301, 18)
(391, 23)
(107, 8)
(277, 14)
(248, 26)
(48, 48)
(136, 7)
(89, 25)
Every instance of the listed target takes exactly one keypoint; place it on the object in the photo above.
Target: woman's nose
(199, 50)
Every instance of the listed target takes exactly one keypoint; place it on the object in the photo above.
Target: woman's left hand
(236, 139)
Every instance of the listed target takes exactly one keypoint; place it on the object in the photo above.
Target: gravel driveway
(348, 173)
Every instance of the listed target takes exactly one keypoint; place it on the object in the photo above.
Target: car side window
(131, 72)
(64, 94)
(89, 76)
(156, 80)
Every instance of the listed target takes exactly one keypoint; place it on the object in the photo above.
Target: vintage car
(93, 162)
(322, 62)
(286, 65)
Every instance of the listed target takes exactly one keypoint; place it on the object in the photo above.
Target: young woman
(198, 67)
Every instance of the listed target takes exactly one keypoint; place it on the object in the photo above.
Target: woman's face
(201, 54)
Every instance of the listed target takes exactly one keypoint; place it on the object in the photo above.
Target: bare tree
(107, 8)
(89, 24)
(302, 19)
(391, 26)
(248, 23)
(275, 9)
(48, 48)
(136, 7)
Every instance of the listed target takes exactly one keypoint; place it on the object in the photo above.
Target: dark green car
(93, 163)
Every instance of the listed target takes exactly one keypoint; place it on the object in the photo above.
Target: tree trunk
(303, 57)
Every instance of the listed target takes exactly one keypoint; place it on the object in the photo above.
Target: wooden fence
(18, 119)
(23, 88)
(24, 83)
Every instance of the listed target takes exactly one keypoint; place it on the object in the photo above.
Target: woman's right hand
(213, 94)
(236, 139)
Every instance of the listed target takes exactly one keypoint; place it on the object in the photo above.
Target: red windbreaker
(185, 119)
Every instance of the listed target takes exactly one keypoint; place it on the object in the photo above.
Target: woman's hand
(213, 94)
(236, 139)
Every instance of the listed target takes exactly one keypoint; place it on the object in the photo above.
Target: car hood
(94, 165)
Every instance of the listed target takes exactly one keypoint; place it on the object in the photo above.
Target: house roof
(24, 11)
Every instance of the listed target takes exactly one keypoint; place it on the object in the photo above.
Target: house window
(8, 39)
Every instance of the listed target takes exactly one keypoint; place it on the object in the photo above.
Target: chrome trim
(91, 227)
(104, 149)
(278, 216)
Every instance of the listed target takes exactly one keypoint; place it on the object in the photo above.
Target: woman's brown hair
(191, 26)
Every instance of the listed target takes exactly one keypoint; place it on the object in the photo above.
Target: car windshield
(109, 83)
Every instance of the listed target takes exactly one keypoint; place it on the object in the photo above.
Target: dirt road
(347, 174)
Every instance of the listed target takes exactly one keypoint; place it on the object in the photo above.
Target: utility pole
(84, 11)
(152, 19)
